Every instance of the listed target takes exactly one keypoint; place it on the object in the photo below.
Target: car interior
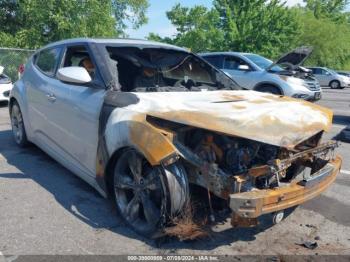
(157, 69)
(79, 56)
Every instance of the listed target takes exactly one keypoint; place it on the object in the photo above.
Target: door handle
(51, 97)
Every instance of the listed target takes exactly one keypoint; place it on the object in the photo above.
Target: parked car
(5, 85)
(284, 77)
(346, 74)
(141, 121)
(328, 77)
(343, 73)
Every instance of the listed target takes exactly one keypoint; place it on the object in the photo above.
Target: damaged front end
(254, 178)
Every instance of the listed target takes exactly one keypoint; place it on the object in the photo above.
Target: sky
(158, 22)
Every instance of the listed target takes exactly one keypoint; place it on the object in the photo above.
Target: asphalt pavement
(45, 209)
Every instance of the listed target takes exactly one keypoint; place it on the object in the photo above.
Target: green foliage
(332, 9)
(33, 23)
(197, 28)
(132, 11)
(329, 39)
(265, 27)
(259, 26)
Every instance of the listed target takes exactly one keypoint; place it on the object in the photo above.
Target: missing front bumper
(255, 203)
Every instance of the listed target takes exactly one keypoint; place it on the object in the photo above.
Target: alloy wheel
(139, 192)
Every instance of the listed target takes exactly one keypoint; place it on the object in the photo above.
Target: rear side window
(47, 60)
(215, 61)
(317, 71)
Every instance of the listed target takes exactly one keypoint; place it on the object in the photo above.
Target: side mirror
(1, 70)
(243, 68)
(74, 74)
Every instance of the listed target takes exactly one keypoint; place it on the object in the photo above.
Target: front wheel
(146, 196)
(334, 84)
(17, 124)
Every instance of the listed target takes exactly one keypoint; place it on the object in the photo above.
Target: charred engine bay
(226, 165)
(298, 72)
(232, 156)
(228, 160)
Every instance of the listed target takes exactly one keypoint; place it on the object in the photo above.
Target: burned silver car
(143, 122)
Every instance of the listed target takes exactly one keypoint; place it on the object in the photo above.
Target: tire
(18, 129)
(147, 196)
(269, 89)
(334, 84)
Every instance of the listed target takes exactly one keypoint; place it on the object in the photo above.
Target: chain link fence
(12, 58)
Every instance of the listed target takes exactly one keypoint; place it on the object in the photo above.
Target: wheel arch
(334, 80)
(142, 136)
(266, 83)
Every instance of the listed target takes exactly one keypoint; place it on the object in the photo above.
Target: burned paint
(255, 203)
(285, 121)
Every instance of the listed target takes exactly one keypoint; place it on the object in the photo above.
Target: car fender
(121, 128)
(129, 129)
(338, 79)
(18, 94)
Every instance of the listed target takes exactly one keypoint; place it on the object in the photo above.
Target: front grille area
(313, 86)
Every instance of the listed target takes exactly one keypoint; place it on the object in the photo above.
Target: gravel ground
(45, 209)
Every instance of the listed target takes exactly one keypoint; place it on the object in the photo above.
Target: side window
(233, 63)
(317, 71)
(323, 72)
(79, 56)
(47, 60)
(215, 61)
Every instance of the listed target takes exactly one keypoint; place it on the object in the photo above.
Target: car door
(74, 115)
(38, 82)
(322, 76)
(234, 65)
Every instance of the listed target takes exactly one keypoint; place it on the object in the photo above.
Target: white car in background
(328, 77)
(346, 74)
(5, 85)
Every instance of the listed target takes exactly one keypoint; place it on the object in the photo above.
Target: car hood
(295, 57)
(275, 120)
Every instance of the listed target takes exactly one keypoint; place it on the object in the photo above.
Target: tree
(333, 9)
(34, 23)
(197, 28)
(260, 26)
(329, 39)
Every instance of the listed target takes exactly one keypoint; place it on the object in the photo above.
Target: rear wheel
(146, 195)
(17, 124)
(269, 89)
(334, 84)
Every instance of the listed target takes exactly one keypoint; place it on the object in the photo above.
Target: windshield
(263, 62)
(158, 69)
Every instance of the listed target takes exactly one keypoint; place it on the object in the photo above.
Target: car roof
(317, 67)
(117, 41)
(225, 53)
